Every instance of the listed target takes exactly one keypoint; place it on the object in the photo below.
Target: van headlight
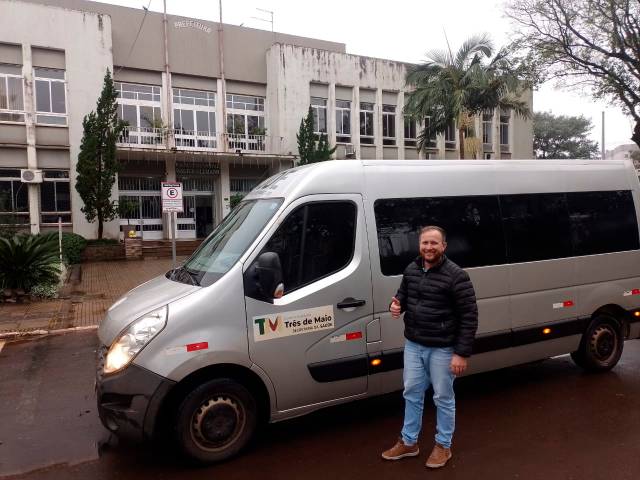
(140, 332)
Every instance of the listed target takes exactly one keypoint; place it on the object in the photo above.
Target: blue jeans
(424, 366)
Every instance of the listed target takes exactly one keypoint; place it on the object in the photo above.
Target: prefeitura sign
(171, 197)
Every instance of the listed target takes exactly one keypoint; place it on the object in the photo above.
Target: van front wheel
(601, 345)
(216, 420)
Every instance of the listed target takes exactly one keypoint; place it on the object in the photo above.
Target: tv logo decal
(285, 324)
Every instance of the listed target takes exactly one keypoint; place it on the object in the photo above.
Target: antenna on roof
(264, 19)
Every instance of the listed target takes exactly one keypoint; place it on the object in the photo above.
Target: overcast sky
(398, 30)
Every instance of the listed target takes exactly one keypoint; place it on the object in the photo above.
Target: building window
(450, 136)
(245, 102)
(504, 130)
(51, 100)
(139, 106)
(343, 121)
(55, 197)
(246, 122)
(319, 109)
(243, 185)
(14, 198)
(388, 124)
(410, 132)
(366, 123)
(11, 94)
(194, 118)
(433, 137)
(487, 127)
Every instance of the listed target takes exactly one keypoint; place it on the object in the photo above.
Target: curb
(41, 333)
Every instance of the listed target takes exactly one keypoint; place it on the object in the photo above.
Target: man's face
(432, 246)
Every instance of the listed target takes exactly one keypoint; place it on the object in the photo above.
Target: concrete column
(478, 128)
(440, 145)
(355, 120)
(30, 122)
(400, 125)
(377, 124)
(512, 147)
(331, 115)
(167, 109)
(225, 190)
(496, 134)
(221, 122)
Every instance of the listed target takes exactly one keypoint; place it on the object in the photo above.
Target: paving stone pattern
(102, 284)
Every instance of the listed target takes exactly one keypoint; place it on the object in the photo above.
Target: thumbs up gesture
(395, 307)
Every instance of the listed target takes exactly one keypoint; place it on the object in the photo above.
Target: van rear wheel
(215, 421)
(601, 345)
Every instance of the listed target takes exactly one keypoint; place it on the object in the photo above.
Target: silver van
(283, 308)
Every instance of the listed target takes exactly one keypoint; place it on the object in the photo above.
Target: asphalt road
(546, 421)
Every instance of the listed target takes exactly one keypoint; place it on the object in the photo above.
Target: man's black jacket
(439, 306)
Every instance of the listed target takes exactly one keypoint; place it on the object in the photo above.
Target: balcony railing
(246, 143)
(143, 137)
(195, 140)
(146, 137)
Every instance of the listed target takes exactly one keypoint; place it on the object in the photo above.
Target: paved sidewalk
(102, 284)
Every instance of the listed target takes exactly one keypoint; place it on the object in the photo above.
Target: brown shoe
(400, 450)
(439, 456)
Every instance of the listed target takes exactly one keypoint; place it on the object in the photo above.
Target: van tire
(601, 345)
(216, 420)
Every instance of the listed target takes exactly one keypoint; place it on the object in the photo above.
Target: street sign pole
(172, 203)
(173, 237)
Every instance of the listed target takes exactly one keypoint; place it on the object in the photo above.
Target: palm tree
(454, 88)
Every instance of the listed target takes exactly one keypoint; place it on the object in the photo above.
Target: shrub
(72, 247)
(44, 290)
(29, 260)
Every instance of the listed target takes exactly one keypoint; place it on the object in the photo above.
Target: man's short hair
(437, 229)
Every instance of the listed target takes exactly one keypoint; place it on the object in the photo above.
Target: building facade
(214, 107)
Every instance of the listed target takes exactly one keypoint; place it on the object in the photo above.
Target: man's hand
(458, 364)
(395, 307)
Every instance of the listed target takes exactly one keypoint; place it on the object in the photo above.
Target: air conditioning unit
(349, 150)
(31, 176)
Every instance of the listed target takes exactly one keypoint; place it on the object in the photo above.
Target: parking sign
(171, 197)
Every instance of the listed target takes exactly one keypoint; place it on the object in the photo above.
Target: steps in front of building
(162, 248)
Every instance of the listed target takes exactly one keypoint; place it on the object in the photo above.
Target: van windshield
(226, 244)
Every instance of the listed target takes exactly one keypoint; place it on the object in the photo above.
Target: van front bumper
(129, 401)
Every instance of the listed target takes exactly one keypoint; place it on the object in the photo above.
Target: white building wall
(291, 69)
(86, 40)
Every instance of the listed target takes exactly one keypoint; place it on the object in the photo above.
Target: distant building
(219, 137)
(623, 152)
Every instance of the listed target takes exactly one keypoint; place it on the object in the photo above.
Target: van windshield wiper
(184, 275)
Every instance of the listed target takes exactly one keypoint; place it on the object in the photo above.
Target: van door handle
(351, 303)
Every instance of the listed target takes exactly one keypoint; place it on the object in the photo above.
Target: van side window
(314, 241)
(536, 226)
(474, 231)
(602, 222)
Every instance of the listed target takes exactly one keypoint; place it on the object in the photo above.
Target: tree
(97, 164)
(562, 137)
(584, 43)
(453, 88)
(311, 146)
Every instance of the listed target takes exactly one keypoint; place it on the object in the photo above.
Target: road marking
(2, 342)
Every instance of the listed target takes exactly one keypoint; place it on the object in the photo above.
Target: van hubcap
(217, 423)
(603, 343)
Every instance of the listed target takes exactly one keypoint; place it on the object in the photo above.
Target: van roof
(347, 176)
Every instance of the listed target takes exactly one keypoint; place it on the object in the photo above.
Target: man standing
(440, 322)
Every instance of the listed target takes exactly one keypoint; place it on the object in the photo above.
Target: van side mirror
(264, 279)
